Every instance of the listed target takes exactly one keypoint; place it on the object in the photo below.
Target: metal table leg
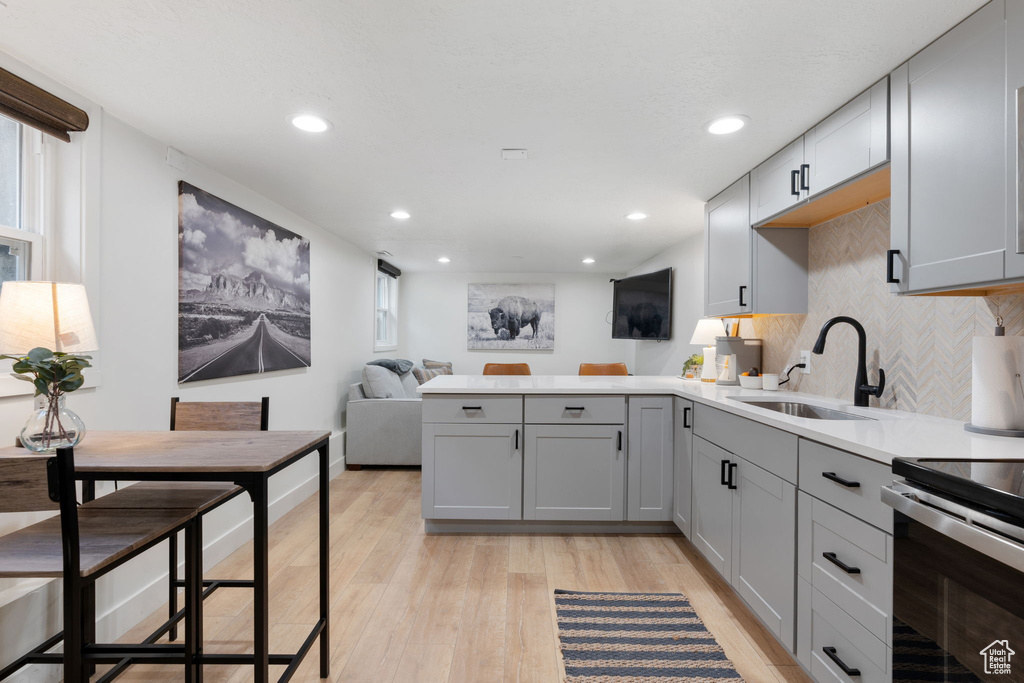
(261, 579)
(325, 565)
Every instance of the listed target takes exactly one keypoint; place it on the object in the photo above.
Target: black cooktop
(994, 485)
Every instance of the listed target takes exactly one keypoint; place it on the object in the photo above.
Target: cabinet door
(574, 472)
(472, 471)
(949, 160)
(849, 142)
(764, 547)
(649, 459)
(727, 255)
(773, 187)
(712, 506)
(681, 470)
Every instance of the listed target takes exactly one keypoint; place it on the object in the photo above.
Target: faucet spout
(861, 389)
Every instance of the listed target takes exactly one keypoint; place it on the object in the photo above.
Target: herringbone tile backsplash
(923, 343)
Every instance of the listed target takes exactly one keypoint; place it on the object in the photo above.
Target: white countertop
(891, 434)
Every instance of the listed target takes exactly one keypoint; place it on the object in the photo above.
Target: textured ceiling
(609, 97)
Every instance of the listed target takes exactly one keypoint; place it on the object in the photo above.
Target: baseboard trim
(461, 526)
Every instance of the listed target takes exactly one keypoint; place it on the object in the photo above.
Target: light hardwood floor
(406, 606)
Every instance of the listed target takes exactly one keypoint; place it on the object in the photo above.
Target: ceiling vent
(514, 154)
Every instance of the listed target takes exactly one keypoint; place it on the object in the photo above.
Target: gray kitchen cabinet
(649, 459)
(775, 183)
(751, 271)
(952, 198)
(682, 467)
(712, 505)
(848, 143)
(764, 547)
(574, 472)
(472, 471)
(728, 251)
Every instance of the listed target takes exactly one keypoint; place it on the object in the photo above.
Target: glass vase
(51, 426)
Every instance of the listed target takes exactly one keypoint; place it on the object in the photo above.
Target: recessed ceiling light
(636, 216)
(444, 259)
(400, 215)
(727, 124)
(588, 260)
(310, 123)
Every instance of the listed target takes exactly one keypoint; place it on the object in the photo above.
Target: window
(19, 247)
(386, 337)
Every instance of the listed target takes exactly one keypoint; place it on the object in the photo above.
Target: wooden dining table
(247, 459)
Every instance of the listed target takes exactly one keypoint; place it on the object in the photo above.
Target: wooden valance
(33, 106)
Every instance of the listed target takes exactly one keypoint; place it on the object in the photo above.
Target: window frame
(390, 311)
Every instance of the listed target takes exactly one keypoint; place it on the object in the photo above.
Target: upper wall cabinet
(954, 219)
(751, 271)
(850, 142)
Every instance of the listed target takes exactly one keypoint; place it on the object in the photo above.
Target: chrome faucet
(861, 389)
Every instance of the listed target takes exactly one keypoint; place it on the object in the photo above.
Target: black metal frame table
(247, 459)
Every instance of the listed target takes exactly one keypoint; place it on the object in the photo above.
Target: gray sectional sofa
(384, 425)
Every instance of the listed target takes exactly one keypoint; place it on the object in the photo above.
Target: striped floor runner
(637, 638)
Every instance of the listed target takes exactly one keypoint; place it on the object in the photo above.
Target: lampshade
(706, 331)
(54, 315)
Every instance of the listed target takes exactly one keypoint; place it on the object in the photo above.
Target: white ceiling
(609, 97)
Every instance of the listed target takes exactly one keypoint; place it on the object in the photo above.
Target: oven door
(958, 592)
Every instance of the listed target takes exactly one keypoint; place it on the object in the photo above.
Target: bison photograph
(511, 316)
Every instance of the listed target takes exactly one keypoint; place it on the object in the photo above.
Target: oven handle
(986, 543)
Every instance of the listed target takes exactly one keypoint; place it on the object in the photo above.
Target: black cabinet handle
(743, 288)
(725, 466)
(686, 418)
(831, 557)
(620, 440)
(732, 471)
(794, 178)
(472, 407)
(575, 409)
(805, 176)
(831, 652)
(517, 439)
(890, 257)
(831, 476)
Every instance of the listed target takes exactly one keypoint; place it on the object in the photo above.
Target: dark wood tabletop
(187, 452)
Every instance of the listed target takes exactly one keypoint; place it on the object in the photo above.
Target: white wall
(687, 262)
(128, 258)
(433, 322)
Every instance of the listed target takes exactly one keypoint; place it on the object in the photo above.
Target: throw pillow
(426, 374)
(431, 364)
(409, 383)
(380, 382)
(399, 366)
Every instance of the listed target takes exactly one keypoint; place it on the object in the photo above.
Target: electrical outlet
(805, 358)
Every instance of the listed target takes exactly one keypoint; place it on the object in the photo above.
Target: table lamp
(55, 318)
(704, 335)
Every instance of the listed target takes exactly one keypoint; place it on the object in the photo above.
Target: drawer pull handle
(472, 407)
(686, 418)
(831, 557)
(725, 466)
(575, 409)
(620, 441)
(517, 439)
(831, 476)
(831, 652)
(732, 471)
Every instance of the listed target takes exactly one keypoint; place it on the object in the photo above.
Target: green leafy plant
(53, 374)
(695, 359)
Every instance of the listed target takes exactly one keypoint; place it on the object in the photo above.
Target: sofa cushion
(399, 366)
(379, 382)
(409, 383)
(432, 364)
(427, 374)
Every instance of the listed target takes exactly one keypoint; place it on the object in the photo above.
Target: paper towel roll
(997, 401)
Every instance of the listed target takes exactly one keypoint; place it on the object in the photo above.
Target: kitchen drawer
(471, 408)
(831, 627)
(861, 495)
(766, 447)
(607, 410)
(865, 591)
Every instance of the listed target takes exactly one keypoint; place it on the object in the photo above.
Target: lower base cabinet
(472, 471)
(574, 472)
(712, 505)
(682, 467)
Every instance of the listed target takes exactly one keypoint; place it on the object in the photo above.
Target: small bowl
(750, 382)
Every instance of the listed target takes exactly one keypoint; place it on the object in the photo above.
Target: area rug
(637, 638)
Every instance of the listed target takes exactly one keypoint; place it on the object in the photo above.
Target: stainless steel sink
(806, 410)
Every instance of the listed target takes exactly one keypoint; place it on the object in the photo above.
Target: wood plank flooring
(406, 606)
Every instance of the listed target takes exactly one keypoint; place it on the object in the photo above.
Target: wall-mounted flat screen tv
(642, 306)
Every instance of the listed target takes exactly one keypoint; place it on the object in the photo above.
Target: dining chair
(202, 496)
(81, 544)
(603, 369)
(507, 369)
